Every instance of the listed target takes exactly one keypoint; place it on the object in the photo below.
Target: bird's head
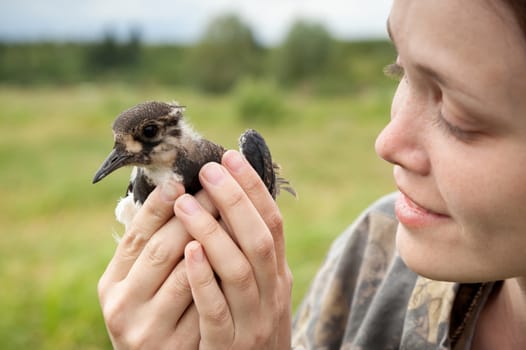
(147, 135)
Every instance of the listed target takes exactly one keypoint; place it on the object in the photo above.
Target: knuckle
(234, 199)
(252, 184)
(282, 306)
(180, 285)
(114, 318)
(120, 324)
(275, 222)
(208, 228)
(264, 247)
(263, 333)
(158, 212)
(205, 282)
(241, 277)
(157, 252)
(132, 341)
(132, 243)
(218, 314)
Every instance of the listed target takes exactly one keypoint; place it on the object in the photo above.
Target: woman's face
(457, 139)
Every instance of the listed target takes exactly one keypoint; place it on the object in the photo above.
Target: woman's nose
(402, 141)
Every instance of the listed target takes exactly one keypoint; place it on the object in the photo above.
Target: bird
(156, 140)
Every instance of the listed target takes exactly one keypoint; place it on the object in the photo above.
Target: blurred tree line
(226, 56)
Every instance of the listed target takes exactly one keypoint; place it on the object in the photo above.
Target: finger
(174, 297)
(157, 260)
(227, 260)
(245, 221)
(161, 253)
(204, 199)
(187, 334)
(156, 210)
(215, 320)
(259, 195)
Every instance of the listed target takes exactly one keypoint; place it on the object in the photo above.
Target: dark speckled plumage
(154, 137)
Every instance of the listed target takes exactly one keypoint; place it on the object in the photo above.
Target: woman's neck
(502, 322)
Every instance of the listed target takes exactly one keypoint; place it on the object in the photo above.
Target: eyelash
(394, 71)
(397, 72)
(451, 129)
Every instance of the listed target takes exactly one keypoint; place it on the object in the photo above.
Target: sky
(183, 21)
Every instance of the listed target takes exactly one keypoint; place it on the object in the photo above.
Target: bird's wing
(253, 146)
(139, 185)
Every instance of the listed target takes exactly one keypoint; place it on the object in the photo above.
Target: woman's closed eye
(451, 129)
(397, 72)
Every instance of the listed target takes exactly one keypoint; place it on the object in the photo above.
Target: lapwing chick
(155, 139)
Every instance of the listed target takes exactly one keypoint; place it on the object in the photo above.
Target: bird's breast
(159, 175)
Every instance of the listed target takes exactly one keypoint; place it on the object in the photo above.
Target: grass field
(56, 227)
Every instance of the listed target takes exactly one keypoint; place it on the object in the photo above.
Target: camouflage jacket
(364, 297)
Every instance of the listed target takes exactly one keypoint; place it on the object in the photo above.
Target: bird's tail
(282, 183)
(253, 146)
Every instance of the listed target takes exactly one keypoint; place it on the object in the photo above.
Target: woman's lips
(412, 215)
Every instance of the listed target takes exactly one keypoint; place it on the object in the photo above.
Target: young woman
(439, 265)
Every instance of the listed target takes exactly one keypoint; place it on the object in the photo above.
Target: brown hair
(519, 10)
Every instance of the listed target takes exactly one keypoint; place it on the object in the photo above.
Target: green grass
(56, 228)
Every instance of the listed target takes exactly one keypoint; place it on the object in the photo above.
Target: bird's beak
(115, 160)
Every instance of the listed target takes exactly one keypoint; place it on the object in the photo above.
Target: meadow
(56, 227)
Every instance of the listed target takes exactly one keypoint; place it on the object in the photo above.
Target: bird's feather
(155, 139)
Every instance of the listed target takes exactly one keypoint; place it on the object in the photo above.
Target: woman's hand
(233, 288)
(239, 277)
(144, 292)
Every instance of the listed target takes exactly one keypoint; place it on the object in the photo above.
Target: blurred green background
(319, 102)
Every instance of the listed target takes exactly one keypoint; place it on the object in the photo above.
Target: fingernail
(213, 173)
(234, 160)
(169, 191)
(196, 251)
(188, 204)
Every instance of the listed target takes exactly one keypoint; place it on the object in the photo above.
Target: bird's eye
(150, 131)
